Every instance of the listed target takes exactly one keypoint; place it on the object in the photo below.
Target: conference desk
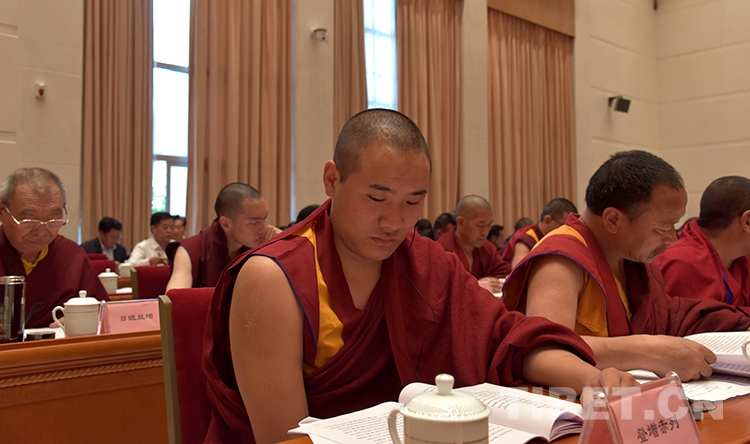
(88, 389)
(733, 428)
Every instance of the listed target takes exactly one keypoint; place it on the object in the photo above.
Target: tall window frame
(170, 105)
(380, 53)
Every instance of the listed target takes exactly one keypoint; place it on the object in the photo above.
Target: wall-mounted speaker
(619, 103)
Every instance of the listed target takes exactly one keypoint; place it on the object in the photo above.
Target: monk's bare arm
(265, 328)
(182, 270)
(554, 286)
(555, 367)
(519, 253)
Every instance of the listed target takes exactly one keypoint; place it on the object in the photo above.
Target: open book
(517, 417)
(727, 346)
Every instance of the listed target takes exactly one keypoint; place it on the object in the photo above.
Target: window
(170, 105)
(380, 53)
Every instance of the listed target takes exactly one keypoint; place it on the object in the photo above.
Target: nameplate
(655, 413)
(130, 316)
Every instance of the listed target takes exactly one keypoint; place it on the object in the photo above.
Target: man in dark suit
(110, 232)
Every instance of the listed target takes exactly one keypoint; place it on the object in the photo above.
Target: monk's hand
(270, 232)
(607, 381)
(687, 358)
(495, 284)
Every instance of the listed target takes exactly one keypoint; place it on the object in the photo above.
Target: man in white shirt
(151, 251)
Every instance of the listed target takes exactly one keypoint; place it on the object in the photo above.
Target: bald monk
(343, 312)
(595, 274)
(711, 259)
(523, 240)
(240, 224)
(468, 240)
(56, 268)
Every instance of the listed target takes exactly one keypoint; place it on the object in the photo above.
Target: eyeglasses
(33, 224)
(558, 222)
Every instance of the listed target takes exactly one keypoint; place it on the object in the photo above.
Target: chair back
(183, 313)
(101, 265)
(149, 281)
(97, 256)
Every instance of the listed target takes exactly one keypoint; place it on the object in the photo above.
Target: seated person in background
(711, 260)
(522, 241)
(240, 224)
(56, 268)
(110, 233)
(331, 318)
(520, 223)
(443, 224)
(468, 240)
(495, 235)
(424, 228)
(595, 275)
(178, 232)
(151, 251)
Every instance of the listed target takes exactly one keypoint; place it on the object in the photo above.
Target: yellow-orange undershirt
(591, 315)
(29, 266)
(330, 327)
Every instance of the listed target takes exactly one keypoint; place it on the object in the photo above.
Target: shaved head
(230, 198)
(376, 126)
(470, 205)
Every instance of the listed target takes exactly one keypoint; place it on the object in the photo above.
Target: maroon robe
(55, 279)
(520, 236)
(653, 311)
(693, 269)
(424, 317)
(487, 262)
(209, 254)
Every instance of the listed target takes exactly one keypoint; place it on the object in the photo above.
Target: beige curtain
(532, 145)
(349, 79)
(428, 46)
(116, 163)
(240, 104)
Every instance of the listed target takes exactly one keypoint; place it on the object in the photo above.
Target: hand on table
(495, 284)
(158, 260)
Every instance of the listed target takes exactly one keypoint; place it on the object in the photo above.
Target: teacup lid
(82, 299)
(108, 273)
(446, 404)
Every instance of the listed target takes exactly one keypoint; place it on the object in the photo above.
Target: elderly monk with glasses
(32, 213)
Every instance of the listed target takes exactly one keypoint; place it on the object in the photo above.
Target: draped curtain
(531, 114)
(349, 78)
(428, 46)
(240, 104)
(117, 142)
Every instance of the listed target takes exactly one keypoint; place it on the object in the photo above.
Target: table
(87, 389)
(733, 428)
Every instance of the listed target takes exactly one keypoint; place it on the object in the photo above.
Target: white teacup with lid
(109, 280)
(81, 315)
(442, 417)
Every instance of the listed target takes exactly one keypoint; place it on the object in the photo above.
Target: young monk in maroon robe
(468, 241)
(523, 240)
(56, 268)
(711, 259)
(350, 305)
(240, 224)
(595, 274)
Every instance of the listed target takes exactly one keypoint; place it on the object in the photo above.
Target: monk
(443, 224)
(523, 240)
(240, 224)
(341, 313)
(56, 269)
(595, 275)
(468, 240)
(711, 259)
